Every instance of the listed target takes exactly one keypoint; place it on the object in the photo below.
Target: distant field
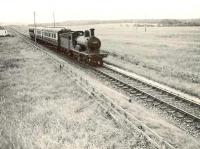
(170, 55)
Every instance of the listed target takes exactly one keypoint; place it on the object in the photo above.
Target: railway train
(80, 45)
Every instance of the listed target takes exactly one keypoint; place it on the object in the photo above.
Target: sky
(21, 11)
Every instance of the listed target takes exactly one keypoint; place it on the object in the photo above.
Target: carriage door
(69, 41)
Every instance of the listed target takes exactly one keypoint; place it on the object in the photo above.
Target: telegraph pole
(35, 27)
(145, 27)
(54, 22)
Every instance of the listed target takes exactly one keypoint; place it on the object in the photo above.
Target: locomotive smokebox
(92, 32)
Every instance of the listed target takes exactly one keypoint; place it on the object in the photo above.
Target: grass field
(170, 55)
(41, 107)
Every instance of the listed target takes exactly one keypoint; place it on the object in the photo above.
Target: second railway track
(185, 111)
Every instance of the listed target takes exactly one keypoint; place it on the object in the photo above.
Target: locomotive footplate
(103, 55)
(95, 60)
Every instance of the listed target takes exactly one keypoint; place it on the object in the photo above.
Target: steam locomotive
(80, 45)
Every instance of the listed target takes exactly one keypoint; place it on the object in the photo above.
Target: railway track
(187, 112)
(112, 110)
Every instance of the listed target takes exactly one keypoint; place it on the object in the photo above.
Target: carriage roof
(50, 29)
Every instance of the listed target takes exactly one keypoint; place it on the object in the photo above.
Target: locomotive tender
(80, 45)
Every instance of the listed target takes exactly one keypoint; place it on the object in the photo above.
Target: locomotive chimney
(92, 32)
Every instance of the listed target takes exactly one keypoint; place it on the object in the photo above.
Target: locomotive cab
(68, 40)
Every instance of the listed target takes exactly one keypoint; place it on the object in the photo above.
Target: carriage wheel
(79, 58)
(71, 54)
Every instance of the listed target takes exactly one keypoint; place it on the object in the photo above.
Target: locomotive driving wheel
(84, 60)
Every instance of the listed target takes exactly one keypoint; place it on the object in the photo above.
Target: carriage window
(38, 32)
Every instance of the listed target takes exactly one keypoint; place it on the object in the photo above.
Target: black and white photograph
(100, 74)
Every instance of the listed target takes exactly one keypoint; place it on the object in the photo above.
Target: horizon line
(71, 20)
